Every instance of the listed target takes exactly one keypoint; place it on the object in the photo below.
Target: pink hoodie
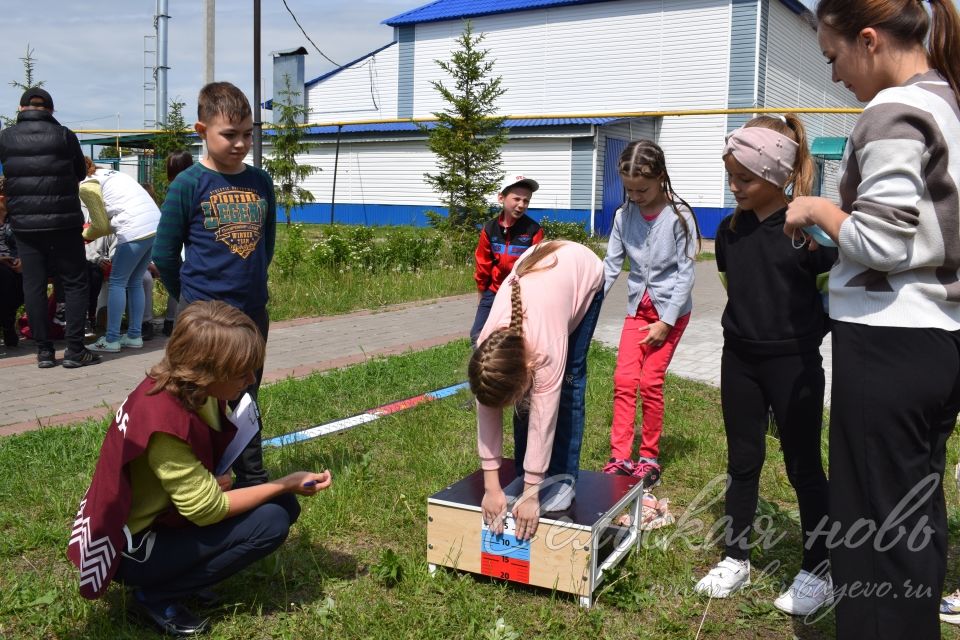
(554, 303)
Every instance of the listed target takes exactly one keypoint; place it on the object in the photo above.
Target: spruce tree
(172, 136)
(468, 135)
(288, 143)
(29, 82)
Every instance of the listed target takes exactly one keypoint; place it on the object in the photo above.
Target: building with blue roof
(574, 71)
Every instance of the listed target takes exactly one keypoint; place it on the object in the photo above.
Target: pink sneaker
(648, 472)
(619, 467)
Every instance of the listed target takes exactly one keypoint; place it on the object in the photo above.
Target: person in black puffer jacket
(43, 166)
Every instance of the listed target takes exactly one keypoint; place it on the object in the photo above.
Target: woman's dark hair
(908, 22)
(177, 161)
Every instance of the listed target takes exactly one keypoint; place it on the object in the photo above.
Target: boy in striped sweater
(223, 212)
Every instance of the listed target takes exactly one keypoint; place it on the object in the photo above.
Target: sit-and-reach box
(570, 552)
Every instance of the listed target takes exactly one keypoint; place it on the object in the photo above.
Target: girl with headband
(895, 305)
(773, 324)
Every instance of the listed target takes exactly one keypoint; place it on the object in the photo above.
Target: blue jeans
(565, 458)
(483, 312)
(130, 261)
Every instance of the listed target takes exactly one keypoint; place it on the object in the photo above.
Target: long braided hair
(500, 370)
(645, 158)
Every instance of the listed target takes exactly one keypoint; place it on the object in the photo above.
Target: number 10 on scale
(503, 556)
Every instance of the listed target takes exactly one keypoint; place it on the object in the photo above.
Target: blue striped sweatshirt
(227, 225)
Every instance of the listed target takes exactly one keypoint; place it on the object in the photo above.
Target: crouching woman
(155, 516)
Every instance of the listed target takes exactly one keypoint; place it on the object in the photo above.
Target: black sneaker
(167, 327)
(46, 359)
(648, 472)
(82, 359)
(174, 618)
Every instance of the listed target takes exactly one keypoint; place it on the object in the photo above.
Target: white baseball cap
(514, 179)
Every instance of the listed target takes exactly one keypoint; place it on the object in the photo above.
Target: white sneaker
(728, 576)
(103, 346)
(558, 496)
(950, 608)
(807, 594)
(130, 343)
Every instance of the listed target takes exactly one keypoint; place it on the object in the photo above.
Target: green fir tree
(29, 81)
(172, 136)
(468, 135)
(288, 143)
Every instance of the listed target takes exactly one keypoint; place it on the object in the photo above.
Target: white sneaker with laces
(103, 346)
(807, 594)
(728, 576)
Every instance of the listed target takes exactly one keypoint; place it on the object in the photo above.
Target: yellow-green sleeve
(723, 278)
(92, 197)
(192, 489)
(823, 282)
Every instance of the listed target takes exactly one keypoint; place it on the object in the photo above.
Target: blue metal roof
(455, 9)
(389, 127)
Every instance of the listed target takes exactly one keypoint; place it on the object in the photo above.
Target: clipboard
(246, 418)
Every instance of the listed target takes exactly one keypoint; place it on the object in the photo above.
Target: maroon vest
(97, 537)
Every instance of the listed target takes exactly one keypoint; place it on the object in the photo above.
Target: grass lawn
(354, 566)
(311, 291)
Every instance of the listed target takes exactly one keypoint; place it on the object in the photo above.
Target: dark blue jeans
(568, 437)
(188, 559)
(483, 312)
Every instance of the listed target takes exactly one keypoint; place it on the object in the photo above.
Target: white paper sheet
(246, 419)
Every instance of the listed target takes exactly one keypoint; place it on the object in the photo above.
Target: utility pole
(161, 69)
(209, 39)
(257, 124)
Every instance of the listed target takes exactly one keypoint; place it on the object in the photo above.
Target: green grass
(321, 292)
(354, 566)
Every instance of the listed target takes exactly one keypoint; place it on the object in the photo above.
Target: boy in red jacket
(502, 241)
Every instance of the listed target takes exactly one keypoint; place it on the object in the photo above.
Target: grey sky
(90, 53)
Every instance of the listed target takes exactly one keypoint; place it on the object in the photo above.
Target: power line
(290, 11)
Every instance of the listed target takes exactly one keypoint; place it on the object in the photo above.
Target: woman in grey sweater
(895, 305)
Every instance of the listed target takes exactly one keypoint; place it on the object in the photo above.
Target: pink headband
(763, 152)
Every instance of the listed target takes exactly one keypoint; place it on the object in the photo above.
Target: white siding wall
(367, 90)
(692, 146)
(630, 55)
(602, 57)
(391, 172)
(798, 76)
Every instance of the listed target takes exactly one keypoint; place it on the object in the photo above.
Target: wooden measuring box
(571, 550)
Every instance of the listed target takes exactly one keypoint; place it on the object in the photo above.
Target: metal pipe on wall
(336, 163)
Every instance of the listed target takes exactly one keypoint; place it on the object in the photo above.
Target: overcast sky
(90, 53)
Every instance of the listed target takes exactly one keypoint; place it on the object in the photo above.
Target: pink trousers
(641, 368)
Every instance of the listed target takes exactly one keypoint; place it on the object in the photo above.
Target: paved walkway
(32, 398)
